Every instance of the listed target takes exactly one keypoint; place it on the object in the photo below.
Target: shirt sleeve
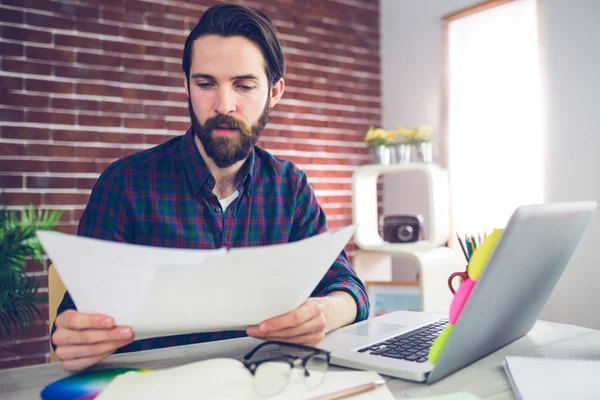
(104, 217)
(310, 220)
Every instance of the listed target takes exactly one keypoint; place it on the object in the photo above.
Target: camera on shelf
(402, 228)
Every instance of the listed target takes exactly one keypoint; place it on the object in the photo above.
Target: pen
(351, 391)
(462, 246)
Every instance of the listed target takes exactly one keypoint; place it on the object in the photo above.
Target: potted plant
(418, 137)
(377, 139)
(19, 297)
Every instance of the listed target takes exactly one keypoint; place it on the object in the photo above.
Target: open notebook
(220, 378)
(546, 378)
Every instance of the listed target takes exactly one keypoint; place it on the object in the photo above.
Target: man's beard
(226, 151)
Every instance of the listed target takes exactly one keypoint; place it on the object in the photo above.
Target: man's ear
(185, 83)
(276, 92)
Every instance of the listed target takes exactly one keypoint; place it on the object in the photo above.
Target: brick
(145, 6)
(11, 181)
(165, 22)
(75, 136)
(167, 111)
(35, 266)
(159, 139)
(8, 114)
(24, 100)
(163, 80)
(76, 11)
(123, 47)
(140, 63)
(11, 83)
(23, 166)
(173, 67)
(83, 183)
(98, 120)
(98, 59)
(10, 15)
(50, 150)
(94, 27)
(122, 107)
(33, 4)
(76, 41)
(140, 34)
(74, 104)
(46, 54)
(143, 94)
(12, 149)
(99, 152)
(121, 16)
(48, 21)
(72, 166)
(164, 51)
(76, 214)
(176, 39)
(178, 126)
(98, 90)
(42, 117)
(20, 199)
(65, 198)
(47, 182)
(25, 35)
(145, 123)
(23, 362)
(68, 229)
(186, 11)
(11, 49)
(26, 67)
(177, 96)
(122, 138)
(38, 330)
(13, 349)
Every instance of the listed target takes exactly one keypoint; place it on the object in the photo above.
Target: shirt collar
(197, 171)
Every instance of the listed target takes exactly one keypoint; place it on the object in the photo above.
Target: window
(494, 135)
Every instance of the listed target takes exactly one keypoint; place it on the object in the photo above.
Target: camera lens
(405, 233)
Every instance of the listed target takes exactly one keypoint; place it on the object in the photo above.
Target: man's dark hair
(228, 20)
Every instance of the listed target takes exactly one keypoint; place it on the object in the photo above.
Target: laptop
(519, 277)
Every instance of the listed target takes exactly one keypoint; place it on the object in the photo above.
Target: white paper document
(164, 291)
(222, 378)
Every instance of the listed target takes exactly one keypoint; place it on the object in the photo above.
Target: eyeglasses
(463, 275)
(272, 371)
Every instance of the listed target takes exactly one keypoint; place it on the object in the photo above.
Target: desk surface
(484, 378)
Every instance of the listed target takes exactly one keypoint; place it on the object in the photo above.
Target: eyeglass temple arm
(297, 345)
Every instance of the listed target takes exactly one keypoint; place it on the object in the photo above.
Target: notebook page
(546, 378)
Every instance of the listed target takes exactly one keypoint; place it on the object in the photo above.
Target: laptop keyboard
(410, 346)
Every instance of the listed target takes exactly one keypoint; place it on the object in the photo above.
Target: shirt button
(218, 210)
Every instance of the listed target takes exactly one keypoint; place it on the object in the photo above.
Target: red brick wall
(82, 84)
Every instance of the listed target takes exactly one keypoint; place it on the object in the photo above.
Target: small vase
(381, 154)
(400, 153)
(424, 152)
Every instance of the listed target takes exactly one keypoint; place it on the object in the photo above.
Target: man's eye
(245, 87)
(204, 85)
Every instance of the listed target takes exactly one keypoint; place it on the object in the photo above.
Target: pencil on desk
(351, 391)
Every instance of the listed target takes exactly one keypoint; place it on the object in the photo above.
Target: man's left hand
(305, 325)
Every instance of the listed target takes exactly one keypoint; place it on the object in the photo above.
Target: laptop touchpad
(373, 329)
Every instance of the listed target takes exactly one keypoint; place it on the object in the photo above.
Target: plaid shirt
(163, 197)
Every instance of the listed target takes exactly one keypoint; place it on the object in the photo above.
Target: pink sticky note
(460, 298)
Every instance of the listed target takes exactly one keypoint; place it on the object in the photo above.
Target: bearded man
(212, 188)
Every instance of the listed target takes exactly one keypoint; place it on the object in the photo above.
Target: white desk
(484, 378)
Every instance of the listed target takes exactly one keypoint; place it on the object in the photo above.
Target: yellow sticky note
(436, 347)
(482, 253)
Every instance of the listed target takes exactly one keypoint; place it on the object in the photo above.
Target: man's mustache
(225, 120)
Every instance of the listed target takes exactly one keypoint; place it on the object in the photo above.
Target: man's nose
(224, 101)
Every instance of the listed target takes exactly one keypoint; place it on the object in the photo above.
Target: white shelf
(364, 207)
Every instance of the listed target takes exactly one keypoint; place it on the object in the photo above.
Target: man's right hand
(82, 340)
